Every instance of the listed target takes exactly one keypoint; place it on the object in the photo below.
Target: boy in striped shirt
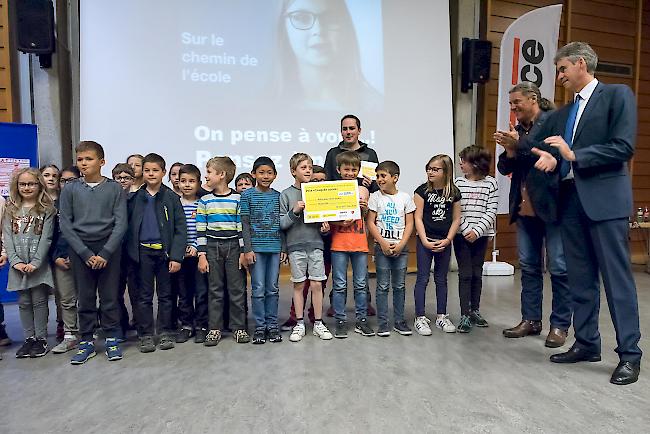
(219, 242)
(192, 285)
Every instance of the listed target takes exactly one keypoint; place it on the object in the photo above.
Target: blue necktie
(568, 134)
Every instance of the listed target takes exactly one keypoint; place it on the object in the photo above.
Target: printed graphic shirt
(391, 212)
(438, 212)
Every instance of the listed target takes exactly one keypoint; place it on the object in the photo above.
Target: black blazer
(543, 188)
(171, 222)
(603, 144)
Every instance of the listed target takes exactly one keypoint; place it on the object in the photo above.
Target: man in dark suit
(595, 136)
(533, 207)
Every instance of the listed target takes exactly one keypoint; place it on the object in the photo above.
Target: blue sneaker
(113, 350)
(86, 351)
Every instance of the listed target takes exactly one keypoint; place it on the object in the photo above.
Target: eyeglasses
(66, 180)
(123, 178)
(304, 20)
(434, 169)
(28, 184)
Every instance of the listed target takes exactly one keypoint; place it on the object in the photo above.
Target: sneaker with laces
(402, 328)
(39, 348)
(363, 328)
(421, 325)
(341, 330)
(477, 320)
(259, 337)
(383, 330)
(200, 335)
(444, 323)
(24, 351)
(213, 338)
(166, 342)
(85, 351)
(184, 335)
(68, 343)
(274, 335)
(147, 345)
(297, 333)
(288, 325)
(241, 337)
(465, 324)
(113, 350)
(321, 330)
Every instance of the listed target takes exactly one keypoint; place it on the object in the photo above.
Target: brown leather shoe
(524, 328)
(556, 337)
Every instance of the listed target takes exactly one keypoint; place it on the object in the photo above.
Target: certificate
(331, 201)
(368, 169)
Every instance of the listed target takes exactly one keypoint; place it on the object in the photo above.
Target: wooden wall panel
(612, 29)
(6, 105)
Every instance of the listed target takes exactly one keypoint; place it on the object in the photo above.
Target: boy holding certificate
(349, 244)
(305, 248)
(390, 222)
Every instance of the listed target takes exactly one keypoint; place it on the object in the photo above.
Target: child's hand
(284, 258)
(29, 268)
(242, 261)
(91, 262)
(190, 251)
(20, 267)
(366, 181)
(204, 267)
(62, 263)
(250, 258)
(3, 260)
(346, 223)
(325, 227)
(100, 263)
(363, 204)
(298, 207)
(174, 266)
(428, 244)
(471, 236)
(386, 248)
(397, 248)
(440, 245)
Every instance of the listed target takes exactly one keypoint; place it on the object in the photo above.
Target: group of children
(91, 237)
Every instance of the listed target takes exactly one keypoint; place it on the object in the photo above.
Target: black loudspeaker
(34, 24)
(476, 59)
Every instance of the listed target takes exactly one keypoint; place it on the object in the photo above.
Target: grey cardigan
(27, 238)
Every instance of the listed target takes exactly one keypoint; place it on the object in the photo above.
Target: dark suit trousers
(593, 247)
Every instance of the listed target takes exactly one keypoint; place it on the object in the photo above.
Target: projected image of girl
(319, 65)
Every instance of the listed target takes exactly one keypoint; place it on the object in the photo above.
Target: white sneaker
(322, 332)
(68, 343)
(422, 325)
(297, 333)
(444, 323)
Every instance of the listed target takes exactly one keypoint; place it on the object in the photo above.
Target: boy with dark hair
(219, 242)
(93, 221)
(124, 174)
(390, 222)
(156, 242)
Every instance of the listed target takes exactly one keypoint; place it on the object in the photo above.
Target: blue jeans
(264, 283)
(531, 232)
(359, 262)
(390, 269)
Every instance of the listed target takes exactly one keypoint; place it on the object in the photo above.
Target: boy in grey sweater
(92, 213)
(305, 248)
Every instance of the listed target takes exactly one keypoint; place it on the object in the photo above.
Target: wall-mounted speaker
(34, 26)
(476, 59)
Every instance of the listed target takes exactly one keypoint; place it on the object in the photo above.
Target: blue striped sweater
(217, 217)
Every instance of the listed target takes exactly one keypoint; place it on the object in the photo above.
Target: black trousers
(192, 295)
(91, 283)
(225, 276)
(470, 258)
(154, 276)
(128, 280)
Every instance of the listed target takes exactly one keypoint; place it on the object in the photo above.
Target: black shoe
(200, 335)
(476, 319)
(39, 348)
(626, 373)
(24, 351)
(274, 335)
(403, 329)
(341, 330)
(184, 335)
(575, 355)
(166, 342)
(147, 345)
(4, 339)
(213, 338)
(363, 328)
(259, 337)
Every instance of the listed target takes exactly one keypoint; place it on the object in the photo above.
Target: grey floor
(480, 382)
